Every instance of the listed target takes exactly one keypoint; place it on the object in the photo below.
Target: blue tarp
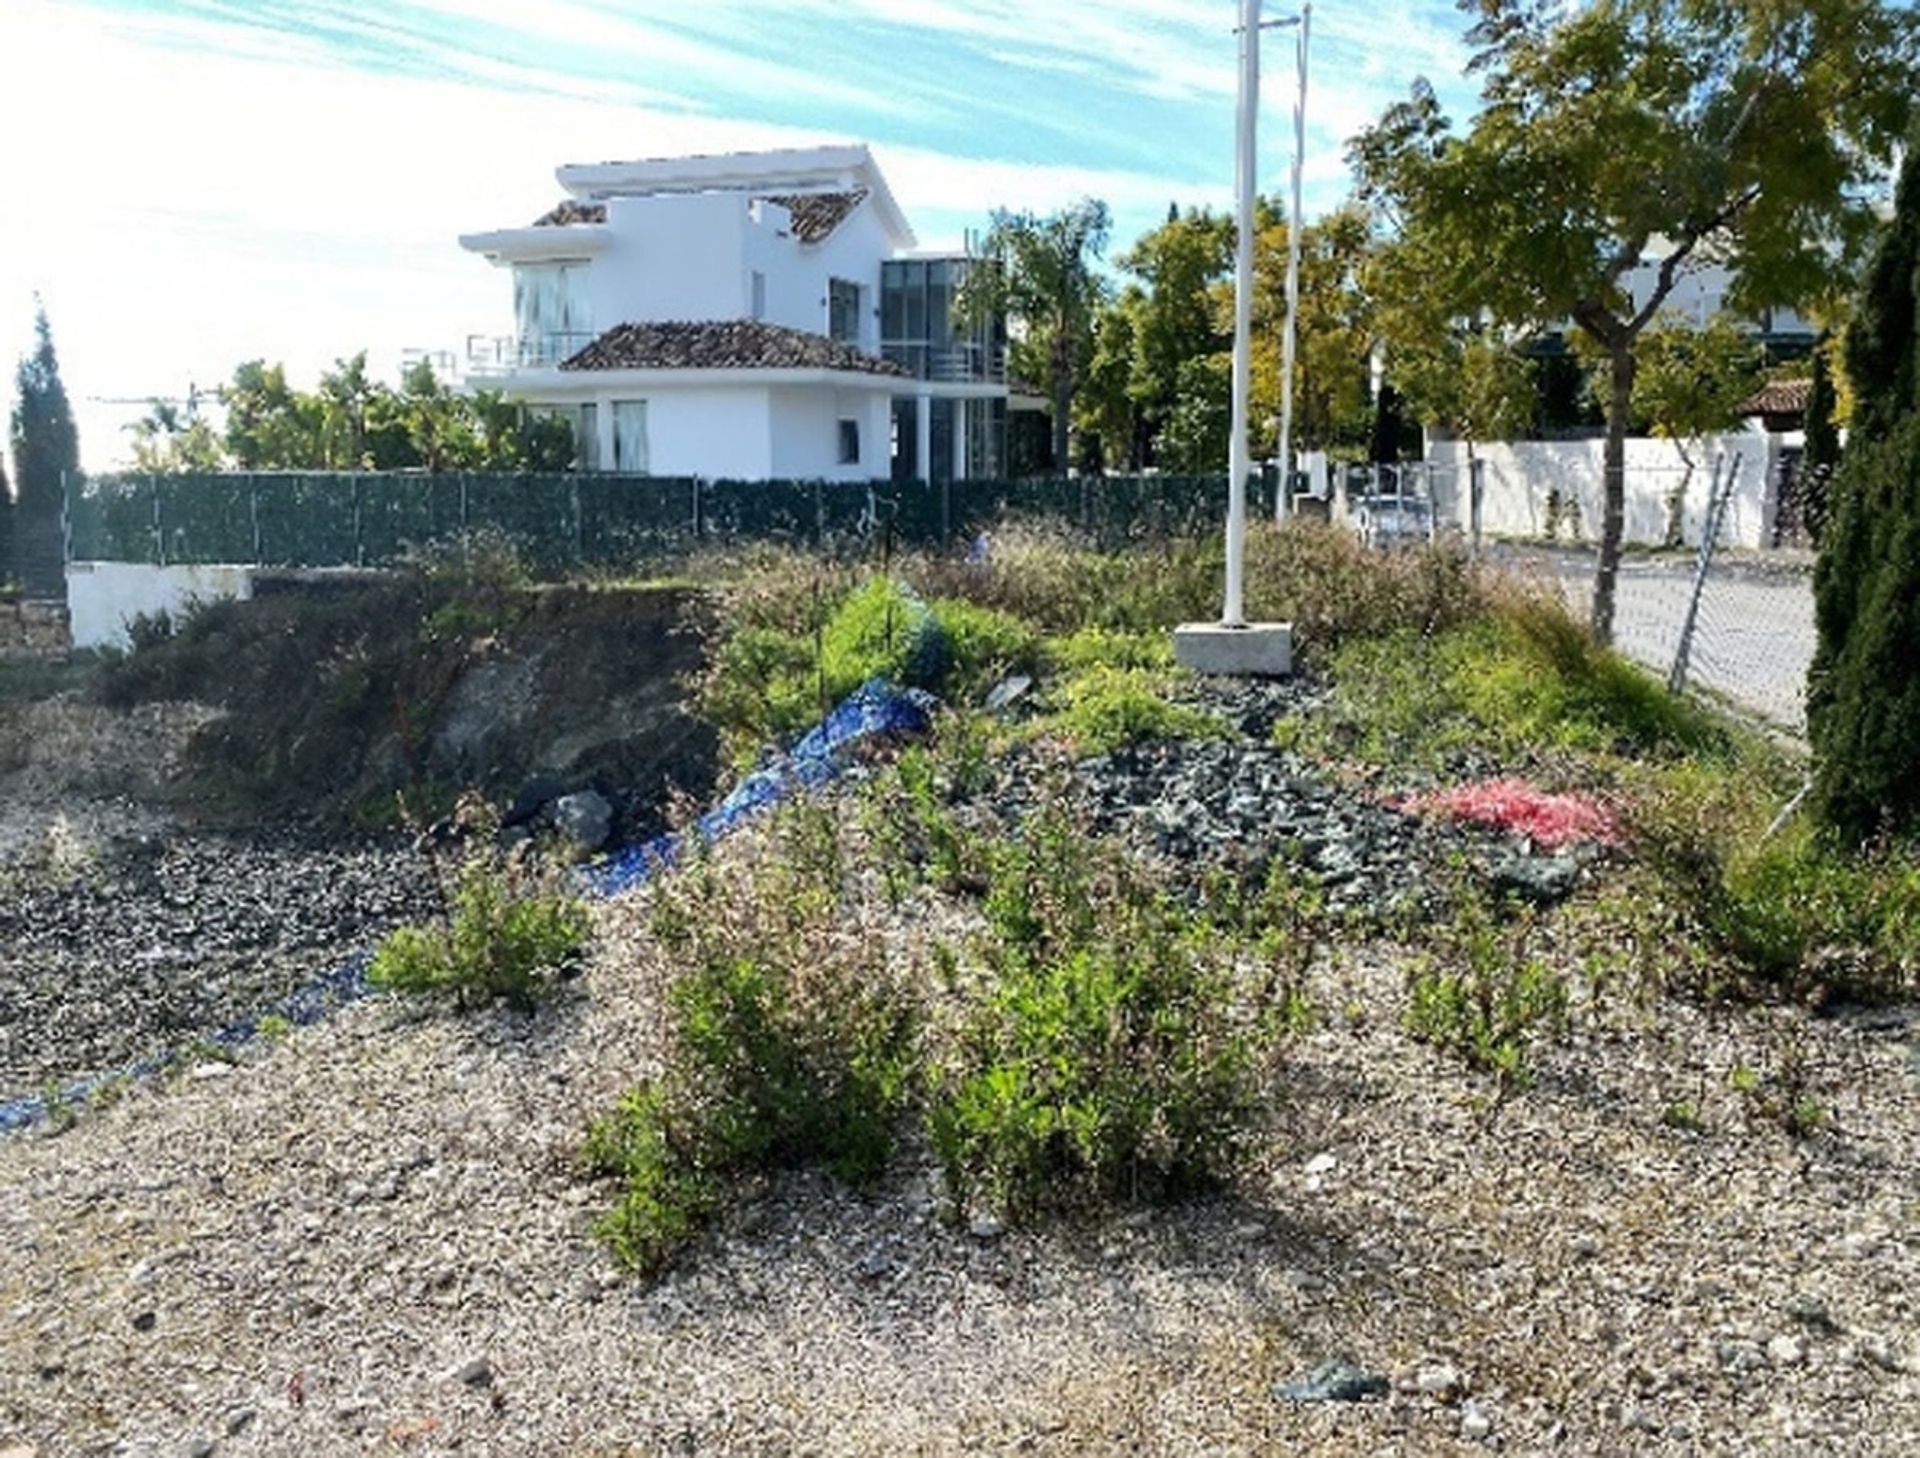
(874, 709)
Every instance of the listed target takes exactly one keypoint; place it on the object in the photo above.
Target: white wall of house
(806, 433)
(103, 596)
(677, 257)
(720, 432)
(1542, 488)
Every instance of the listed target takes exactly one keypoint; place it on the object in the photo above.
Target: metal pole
(1233, 614)
(1717, 499)
(1282, 503)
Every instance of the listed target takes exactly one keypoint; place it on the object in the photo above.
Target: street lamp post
(1233, 645)
(1281, 501)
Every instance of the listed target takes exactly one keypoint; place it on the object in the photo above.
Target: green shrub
(1111, 648)
(502, 938)
(793, 1042)
(1104, 709)
(1108, 1051)
(1524, 680)
(1479, 994)
(984, 645)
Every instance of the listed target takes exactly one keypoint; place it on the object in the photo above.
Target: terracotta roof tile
(1779, 397)
(725, 344)
(817, 214)
(570, 210)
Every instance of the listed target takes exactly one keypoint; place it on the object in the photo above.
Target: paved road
(1754, 638)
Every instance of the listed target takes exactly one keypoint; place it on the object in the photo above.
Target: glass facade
(920, 328)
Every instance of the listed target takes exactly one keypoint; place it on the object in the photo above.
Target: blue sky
(195, 182)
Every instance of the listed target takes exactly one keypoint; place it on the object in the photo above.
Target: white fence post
(1717, 498)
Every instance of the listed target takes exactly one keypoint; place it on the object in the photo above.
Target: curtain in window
(630, 436)
(589, 451)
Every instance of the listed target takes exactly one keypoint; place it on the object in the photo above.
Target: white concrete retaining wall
(103, 596)
(1545, 489)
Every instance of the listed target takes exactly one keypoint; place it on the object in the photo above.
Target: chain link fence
(575, 521)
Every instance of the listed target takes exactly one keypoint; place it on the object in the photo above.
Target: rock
(986, 1227)
(1335, 1382)
(1322, 1164)
(1787, 1351)
(1475, 1425)
(144, 1320)
(1442, 1381)
(474, 1372)
(197, 1447)
(1007, 692)
(238, 1420)
(584, 818)
(1542, 880)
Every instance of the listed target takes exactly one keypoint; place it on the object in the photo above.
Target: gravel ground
(372, 1236)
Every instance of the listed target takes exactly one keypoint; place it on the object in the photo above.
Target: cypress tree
(1821, 458)
(1863, 691)
(46, 448)
(6, 527)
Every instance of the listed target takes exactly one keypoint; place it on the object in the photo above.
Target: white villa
(747, 316)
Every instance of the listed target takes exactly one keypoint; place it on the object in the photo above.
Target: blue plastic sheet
(874, 710)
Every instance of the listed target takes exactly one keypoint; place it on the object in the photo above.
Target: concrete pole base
(1259, 650)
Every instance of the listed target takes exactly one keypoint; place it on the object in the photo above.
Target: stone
(1787, 1351)
(474, 1372)
(144, 1320)
(1475, 1425)
(1258, 650)
(197, 1447)
(1008, 692)
(1442, 1380)
(584, 818)
(1335, 1382)
(1542, 880)
(986, 1227)
(238, 1421)
(1322, 1164)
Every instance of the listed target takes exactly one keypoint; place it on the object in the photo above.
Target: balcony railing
(957, 364)
(498, 354)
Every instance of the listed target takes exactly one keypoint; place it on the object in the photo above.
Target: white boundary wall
(1545, 488)
(103, 596)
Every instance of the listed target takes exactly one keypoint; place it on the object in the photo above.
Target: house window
(630, 437)
(759, 294)
(843, 311)
(588, 448)
(849, 442)
(552, 318)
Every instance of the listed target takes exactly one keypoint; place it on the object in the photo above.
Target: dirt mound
(333, 701)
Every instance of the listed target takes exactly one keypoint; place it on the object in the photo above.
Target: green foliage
(1522, 680)
(1799, 911)
(1107, 1054)
(501, 938)
(1481, 996)
(1689, 379)
(1102, 709)
(793, 1043)
(1722, 128)
(1039, 273)
(352, 422)
(1822, 455)
(1863, 690)
(1199, 423)
(46, 453)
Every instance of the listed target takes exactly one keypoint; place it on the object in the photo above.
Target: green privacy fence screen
(573, 521)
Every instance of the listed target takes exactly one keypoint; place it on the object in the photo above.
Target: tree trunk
(1614, 496)
(1062, 405)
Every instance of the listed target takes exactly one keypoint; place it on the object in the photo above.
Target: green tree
(1333, 344)
(1107, 416)
(1176, 309)
(1198, 432)
(1821, 457)
(1651, 136)
(169, 440)
(1689, 382)
(1039, 273)
(270, 425)
(6, 527)
(46, 451)
(1863, 689)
